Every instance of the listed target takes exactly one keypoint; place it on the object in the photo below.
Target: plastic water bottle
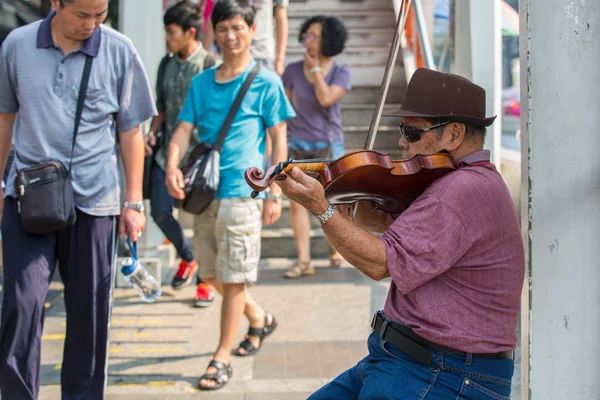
(136, 275)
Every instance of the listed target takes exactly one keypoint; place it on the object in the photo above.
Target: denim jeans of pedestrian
(161, 209)
(388, 373)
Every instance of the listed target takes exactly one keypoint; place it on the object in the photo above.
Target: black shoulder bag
(45, 195)
(201, 172)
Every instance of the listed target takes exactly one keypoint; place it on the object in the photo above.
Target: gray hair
(471, 131)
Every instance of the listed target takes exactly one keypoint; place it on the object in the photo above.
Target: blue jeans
(388, 373)
(161, 204)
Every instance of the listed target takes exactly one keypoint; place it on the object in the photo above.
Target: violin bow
(387, 75)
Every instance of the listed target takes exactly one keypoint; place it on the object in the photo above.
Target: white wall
(478, 57)
(560, 93)
(141, 21)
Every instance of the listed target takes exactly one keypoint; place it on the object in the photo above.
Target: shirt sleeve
(424, 242)
(342, 78)
(188, 111)
(281, 3)
(135, 101)
(9, 103)
(276, 108)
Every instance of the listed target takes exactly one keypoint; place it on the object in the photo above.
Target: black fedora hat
(433, 94)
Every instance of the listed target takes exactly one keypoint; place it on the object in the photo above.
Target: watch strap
(323, 218)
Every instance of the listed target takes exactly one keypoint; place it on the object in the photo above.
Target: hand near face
(311, 61)
(304, 190)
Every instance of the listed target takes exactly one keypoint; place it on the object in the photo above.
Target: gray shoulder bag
(45, 196)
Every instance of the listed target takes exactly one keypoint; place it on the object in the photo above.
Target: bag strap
(80, 100)
(234, 108)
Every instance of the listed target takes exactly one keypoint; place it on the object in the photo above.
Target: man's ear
(192, 32)
(457, 135)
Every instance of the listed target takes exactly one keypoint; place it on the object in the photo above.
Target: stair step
(386, 140)
(366, 38)
(280, 243)
(361, 114)
(352, 18)
(369, 95)
(316, 5)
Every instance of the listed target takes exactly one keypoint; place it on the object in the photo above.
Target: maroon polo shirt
(457, 261)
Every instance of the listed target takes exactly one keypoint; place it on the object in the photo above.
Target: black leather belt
(405, 340)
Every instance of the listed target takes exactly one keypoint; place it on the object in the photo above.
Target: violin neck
(307, 165)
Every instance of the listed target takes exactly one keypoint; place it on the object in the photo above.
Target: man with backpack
(186, 59)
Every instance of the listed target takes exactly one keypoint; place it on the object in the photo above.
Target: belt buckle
(374, 319)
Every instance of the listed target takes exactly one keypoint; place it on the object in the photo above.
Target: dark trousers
(161, 205)
(85, 253)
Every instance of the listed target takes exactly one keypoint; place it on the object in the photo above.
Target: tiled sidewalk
(158, 351)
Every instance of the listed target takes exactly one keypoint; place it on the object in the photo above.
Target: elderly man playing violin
(455, 256)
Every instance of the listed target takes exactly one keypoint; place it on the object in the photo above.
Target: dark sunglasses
(413, 134)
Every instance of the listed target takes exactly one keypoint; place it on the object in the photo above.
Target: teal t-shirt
(264, 106)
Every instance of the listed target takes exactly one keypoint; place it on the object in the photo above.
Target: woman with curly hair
(315, 86)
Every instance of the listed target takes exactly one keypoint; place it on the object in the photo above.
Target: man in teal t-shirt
(227, 234)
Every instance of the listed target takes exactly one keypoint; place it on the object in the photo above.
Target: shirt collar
(191, 56)
(481, 156)
(91, 46)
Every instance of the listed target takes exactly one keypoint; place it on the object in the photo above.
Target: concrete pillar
(478, 56)
(560, 100)
(141, 21)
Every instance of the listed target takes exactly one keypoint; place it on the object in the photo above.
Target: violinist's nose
(403, 143)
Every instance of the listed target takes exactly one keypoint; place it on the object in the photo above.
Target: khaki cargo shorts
(227, 240)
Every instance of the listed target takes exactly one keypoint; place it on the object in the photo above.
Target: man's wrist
(326, 215)
(135, 205)
(321, 208)
(277, 198)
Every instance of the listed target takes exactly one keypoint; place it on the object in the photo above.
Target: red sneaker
(204, 295)
(184, 274)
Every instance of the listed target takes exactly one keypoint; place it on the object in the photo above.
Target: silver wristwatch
(138, 206)
(323, 218)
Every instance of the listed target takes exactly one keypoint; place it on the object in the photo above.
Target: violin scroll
(260, 181)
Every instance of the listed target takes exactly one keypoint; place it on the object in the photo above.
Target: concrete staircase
(370, 25)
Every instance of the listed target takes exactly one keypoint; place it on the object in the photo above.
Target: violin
(366, 174)
(363, 175)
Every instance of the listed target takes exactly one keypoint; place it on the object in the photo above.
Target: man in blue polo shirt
(227, 234)
(41, 67)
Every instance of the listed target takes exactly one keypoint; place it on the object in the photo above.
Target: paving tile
(358, 350)
(271, 362)
(302, 360)
(334, 358)
(277, 396)
(206, 396)
(136, 397)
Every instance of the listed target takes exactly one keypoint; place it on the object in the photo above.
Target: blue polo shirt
(41, 85)
(264, 106)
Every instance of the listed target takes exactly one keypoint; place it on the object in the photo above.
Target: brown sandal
(300, 268)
